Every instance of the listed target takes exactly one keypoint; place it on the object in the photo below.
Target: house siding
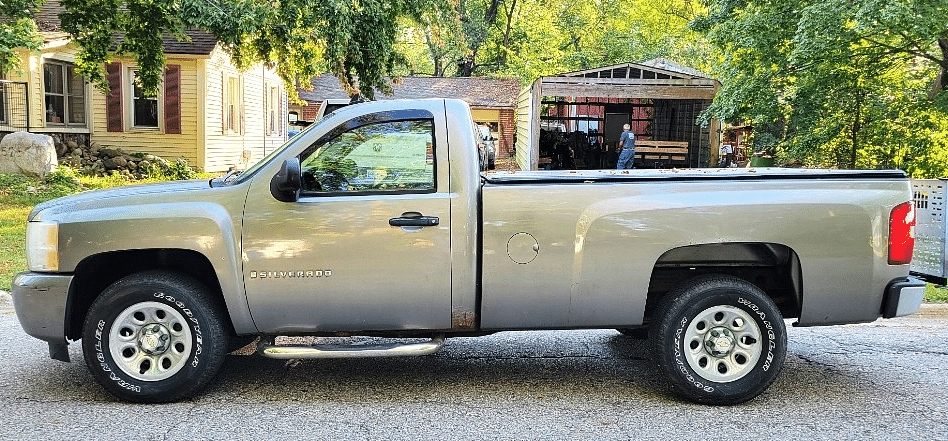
(156, 142)
(32, 74)
(201, 141)
(224, 149)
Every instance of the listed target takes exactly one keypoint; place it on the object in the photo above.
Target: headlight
(42, 246)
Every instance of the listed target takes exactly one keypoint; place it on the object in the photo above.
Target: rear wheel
(154, 337)
(719, 340)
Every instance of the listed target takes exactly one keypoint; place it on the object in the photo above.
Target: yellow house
(207, 111)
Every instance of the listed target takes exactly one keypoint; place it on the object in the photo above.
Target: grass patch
(12, 241)
(934, 294)
(18, 195)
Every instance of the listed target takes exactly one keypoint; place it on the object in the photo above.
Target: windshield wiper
(227, 177)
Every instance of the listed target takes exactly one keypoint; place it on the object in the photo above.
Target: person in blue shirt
(627, 142)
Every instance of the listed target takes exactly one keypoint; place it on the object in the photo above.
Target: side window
(391, 156)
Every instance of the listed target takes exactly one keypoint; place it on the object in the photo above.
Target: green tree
(350, 38)
(17, 30)
(530, 38)
(830, 82)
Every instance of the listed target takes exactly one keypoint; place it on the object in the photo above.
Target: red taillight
(901, 234)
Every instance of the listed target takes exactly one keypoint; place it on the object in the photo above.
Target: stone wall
(75, 150)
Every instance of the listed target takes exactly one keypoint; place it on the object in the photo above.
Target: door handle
(414, 220)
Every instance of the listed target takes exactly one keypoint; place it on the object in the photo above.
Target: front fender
(202, 227)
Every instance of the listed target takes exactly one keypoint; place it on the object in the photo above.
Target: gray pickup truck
(377, 221)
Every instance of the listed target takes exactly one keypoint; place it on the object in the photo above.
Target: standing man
(627, 142)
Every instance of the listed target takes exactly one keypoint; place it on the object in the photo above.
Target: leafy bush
(174, 171)
(180, 170)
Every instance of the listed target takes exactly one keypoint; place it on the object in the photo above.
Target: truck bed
(557, 254)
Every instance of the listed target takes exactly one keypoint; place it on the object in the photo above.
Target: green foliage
(935, 294)
(836, 83)
(180, 170)
(170, 171)
(23, 190)
(300, 37)
(530, 38)
(17, 30)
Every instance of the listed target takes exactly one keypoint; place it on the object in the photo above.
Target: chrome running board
(290, 352)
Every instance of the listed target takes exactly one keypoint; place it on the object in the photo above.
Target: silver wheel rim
(150, 341)
(722, 344)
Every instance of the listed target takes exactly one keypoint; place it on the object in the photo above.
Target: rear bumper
(903, 297)
(40, 303)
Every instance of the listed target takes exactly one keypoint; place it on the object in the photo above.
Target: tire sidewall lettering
(101, 345)
(680, 361)
(759, 315)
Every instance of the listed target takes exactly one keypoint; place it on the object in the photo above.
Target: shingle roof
(666, 64)
(476, 91)
(47, 18)
(202, 43)
(50, 27)
(658, 65)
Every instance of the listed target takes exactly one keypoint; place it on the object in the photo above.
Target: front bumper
(903, 297)
(40, 303)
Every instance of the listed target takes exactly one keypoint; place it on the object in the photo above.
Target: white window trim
(87, 98)
(128, 105)
(238, 128)
(273, 90)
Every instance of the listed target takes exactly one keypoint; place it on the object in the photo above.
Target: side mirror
(286, 184)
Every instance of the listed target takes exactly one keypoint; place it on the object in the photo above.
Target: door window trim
(389, 116)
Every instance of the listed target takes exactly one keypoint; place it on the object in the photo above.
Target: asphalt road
(885, 380)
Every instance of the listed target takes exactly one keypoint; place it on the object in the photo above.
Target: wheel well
(773, 268)
(95, 273)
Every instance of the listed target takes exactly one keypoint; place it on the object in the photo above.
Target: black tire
(154, 337)
(718, 340)
(635, 333)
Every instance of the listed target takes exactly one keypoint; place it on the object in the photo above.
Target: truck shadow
(466, 368)
(515, 366)
(612, 368)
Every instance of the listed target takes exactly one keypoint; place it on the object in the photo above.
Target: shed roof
(476, 91)
(658, 67)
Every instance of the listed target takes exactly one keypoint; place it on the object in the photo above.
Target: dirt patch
(6, 303)
(933, 310)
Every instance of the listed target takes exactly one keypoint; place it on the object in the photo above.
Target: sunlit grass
(934, 294)
(18, 195)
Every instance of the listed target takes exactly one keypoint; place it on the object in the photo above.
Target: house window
(145, 109)
(273, 114)
(232, 100)
(64, 90)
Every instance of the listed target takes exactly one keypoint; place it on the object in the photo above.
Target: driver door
(367, 245)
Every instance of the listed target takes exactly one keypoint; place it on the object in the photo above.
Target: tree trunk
(942, 83)
(857, 126)
(491, 13)
(510, 13)
(466, 66)
(435, 56)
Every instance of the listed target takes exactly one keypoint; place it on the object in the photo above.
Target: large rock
(28, 154)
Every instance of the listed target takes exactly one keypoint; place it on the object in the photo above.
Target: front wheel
(719, 340)
(154, 337)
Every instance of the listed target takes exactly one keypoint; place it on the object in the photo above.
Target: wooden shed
(660, 99)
